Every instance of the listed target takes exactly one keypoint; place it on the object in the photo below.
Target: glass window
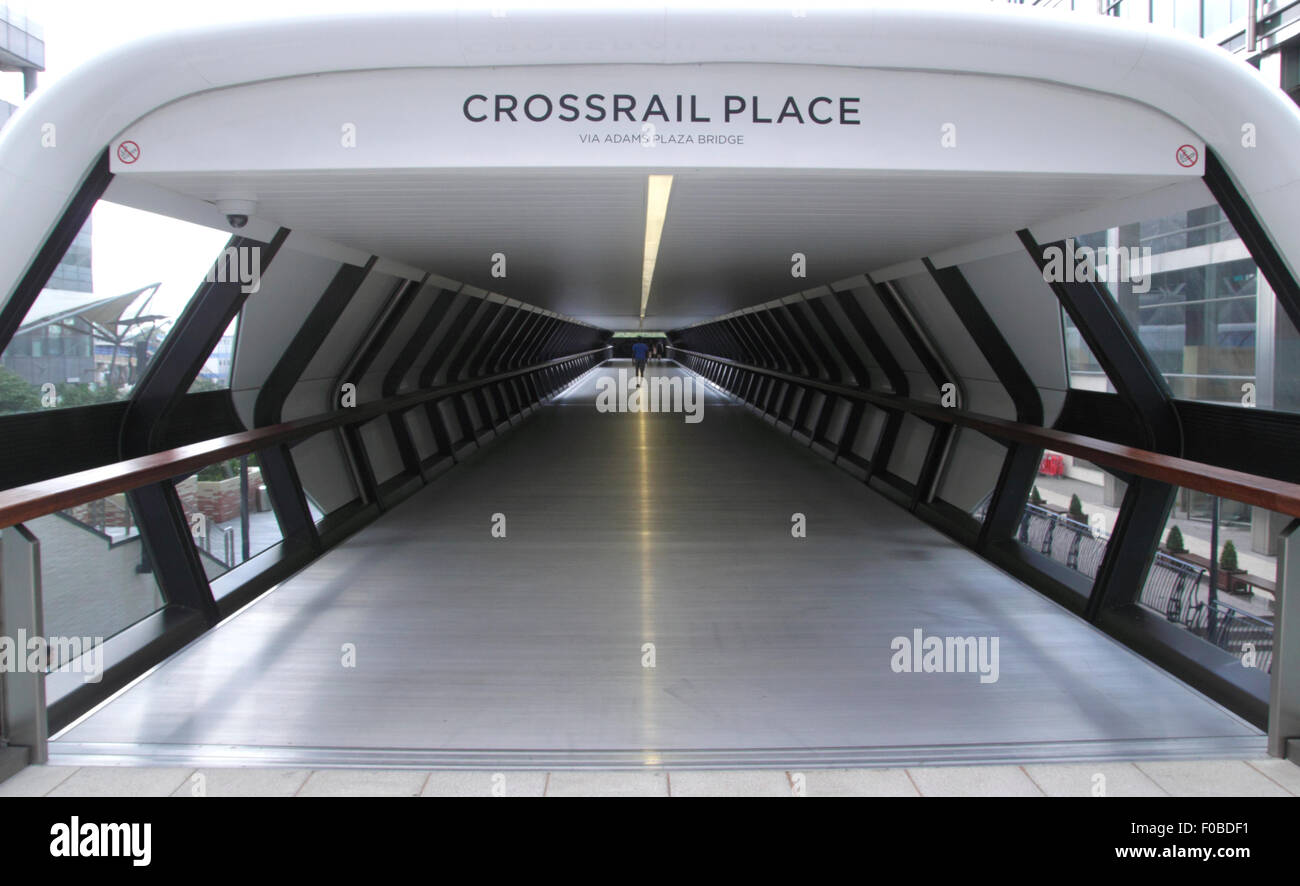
(105, 310)
(1187, 16)
(220, 504)
(1071, 512)
(1082, 367)
(1196, 228)
(1081, 364)
(1199, 325)
(1200, 308)
(1235, 612)
(1135, 10)
(73, 272)
(1162, 13)
(95, 576)
(1291, 71)
(215, 373)
(1221, 13)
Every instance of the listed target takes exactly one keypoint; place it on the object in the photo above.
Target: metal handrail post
(22, 616)
(1284, 694)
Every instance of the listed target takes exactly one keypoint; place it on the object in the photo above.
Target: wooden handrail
(22, 503)
(1264, 492)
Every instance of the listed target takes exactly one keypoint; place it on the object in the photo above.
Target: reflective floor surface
(648, 605)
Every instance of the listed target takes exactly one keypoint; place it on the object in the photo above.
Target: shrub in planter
(217, 489)
(1174, 541)
(1076, 510)
(222, 470)
(1228, 559)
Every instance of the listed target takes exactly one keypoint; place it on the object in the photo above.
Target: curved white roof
(1210, 93)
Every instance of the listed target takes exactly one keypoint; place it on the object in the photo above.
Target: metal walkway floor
(626, 529)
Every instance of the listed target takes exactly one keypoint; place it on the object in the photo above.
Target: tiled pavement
(1187, 778)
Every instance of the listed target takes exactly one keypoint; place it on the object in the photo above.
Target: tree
(1076, 509)
(81, 394)
(16, 393)
(1228, 559)
(1174, 541)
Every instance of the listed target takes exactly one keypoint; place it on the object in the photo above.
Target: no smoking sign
(128, 152)
(1187, 155)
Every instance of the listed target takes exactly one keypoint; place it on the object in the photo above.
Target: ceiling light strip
(656, 211)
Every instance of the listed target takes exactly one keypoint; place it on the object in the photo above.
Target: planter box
(1233, 582)
(110, 512)
(218, 500)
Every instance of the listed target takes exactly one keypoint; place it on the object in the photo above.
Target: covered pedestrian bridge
(941, 378)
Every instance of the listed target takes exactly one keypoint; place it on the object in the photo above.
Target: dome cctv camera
(236, 211)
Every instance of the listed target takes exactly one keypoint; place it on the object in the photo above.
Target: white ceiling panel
(574, 239)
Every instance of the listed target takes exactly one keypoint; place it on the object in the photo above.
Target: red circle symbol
(1187, 155)
(128, 152)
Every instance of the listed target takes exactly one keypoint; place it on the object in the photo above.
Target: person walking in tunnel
(640, 351)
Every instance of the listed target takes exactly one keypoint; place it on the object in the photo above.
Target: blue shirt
(640, 350)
